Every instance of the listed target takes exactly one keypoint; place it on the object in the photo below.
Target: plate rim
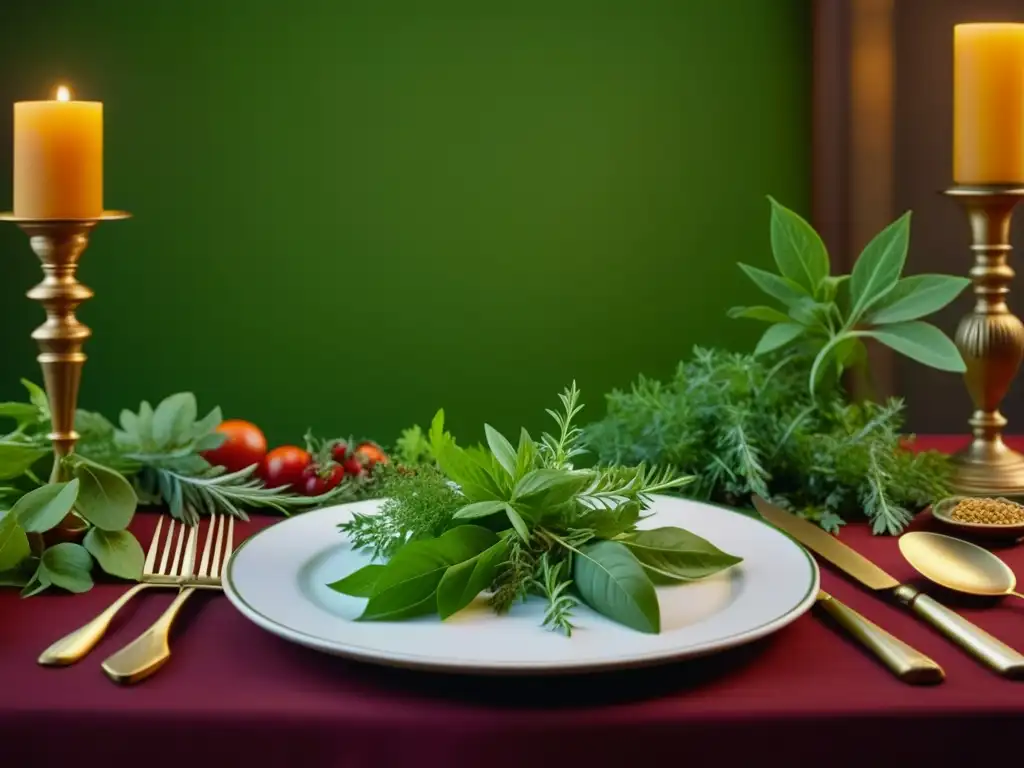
(416, 662)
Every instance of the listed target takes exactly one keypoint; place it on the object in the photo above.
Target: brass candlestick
(59, 244)
(991, 341)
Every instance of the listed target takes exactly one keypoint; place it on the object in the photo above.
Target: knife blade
(974, 640)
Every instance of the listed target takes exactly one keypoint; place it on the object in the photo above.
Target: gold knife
(992, 652)
(906, 662)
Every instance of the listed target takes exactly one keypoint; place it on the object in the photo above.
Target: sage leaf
(502, 449)
(41, 509)
(118, 552)
(37, 396)
(68, 566)
(517, 522)
(14, 545)
(407, 586)
(915, 297)
(766, 314)
(798, 250)
(878, 267)
(105, 498)
(676, 553)
(173, 419)
(778, 336)
(462, 582)
(921, 342)
(207, 424)
(17, 458)
(612, 582)
(781, 288)
(209, 442)
(24, 414)
(361, 583)
(479, 509)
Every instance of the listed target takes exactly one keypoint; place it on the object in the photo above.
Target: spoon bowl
(958, 565)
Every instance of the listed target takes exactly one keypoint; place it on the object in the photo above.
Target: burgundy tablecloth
(234, 694)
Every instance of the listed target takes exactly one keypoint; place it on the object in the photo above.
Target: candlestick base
(988, 468)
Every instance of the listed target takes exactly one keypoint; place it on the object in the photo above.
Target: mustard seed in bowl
(988, 512)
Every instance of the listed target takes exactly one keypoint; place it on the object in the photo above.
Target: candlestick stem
(991, 341)
(59, 244)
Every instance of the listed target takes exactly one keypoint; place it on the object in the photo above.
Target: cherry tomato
(244, 446)
(316, 481)
(284, 466)
(339, 451)
(371, 454)
(353, 466)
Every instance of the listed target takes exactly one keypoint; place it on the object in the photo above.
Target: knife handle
(972, 638)
(907, 663)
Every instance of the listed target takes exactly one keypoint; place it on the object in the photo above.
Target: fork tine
(167, 548)
(188, 564)
(228, 546)
(215, 565)
(154, 546)
(204, 566)
(176, 562)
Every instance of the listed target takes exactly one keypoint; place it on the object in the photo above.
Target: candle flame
(63, 93)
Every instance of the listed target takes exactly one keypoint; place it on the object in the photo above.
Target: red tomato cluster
(310, 471)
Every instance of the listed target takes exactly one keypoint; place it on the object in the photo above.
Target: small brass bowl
(943, 510)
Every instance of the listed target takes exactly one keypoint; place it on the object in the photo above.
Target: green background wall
(348, 214)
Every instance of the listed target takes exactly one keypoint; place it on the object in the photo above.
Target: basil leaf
(554, 486)
(24, 414)
(479, 509)
(915, 297)
(68, 566)
(44, 508)
(526, 455)
(798, 250)
(407, 586)
(778, 336)
(118, 552)
(361, 583)
(14, 546)
(37, 396)
(675, 553)
(781, 288)
(612, 582)
(173, 419)
(767, 314)
(878, 267)
(460, 468)
(517, 522)
(461, 583)
(18, 458)
(105, 498)
(921, 342)
(502, 449)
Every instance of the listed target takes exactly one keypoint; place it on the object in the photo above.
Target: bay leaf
(678, 554)
(463, 581)
(105, 498)
(612, 582)
(118, 552)
(361, 583)
(69, 566)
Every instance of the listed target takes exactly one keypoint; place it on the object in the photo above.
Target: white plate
(277, 578)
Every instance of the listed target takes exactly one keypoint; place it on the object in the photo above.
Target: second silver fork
(151, 650)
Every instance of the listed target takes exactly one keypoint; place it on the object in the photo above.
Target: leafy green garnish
(831, 324)
(518, 520)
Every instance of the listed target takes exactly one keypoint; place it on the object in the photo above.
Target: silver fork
(151, 650)
(75, 645)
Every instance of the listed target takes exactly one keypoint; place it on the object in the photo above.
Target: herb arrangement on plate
(515, 521)
(778, 422)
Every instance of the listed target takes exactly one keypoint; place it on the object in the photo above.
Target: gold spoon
(958, 565)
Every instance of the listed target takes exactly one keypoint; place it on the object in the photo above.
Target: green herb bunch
(94, 501)
(744, 424)
(521, 520)
(828, 317)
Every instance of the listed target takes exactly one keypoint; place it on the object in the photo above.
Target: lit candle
(988, 103)
(58, 158)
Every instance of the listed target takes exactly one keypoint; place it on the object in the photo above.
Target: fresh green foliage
(518, 520)
(412, 449)
(828, 317)
(744, 424)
